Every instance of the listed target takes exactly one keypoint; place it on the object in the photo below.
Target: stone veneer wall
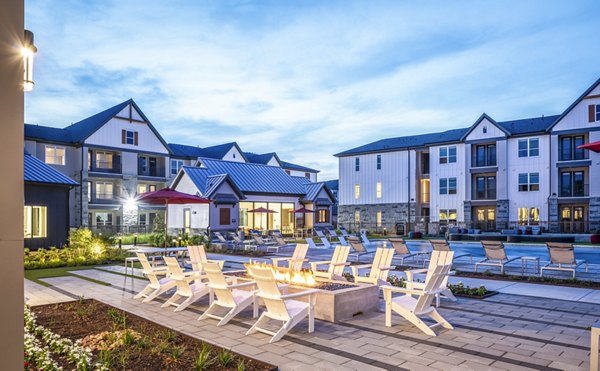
(553, 220)
(594, 215)
(502, 214)
(390, 215)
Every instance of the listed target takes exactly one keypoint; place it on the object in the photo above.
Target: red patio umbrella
(303, 211)
(594, 146)
(168, 196)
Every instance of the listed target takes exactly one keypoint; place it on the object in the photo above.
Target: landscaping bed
(460, 290)
(569, 282)
(120, 340)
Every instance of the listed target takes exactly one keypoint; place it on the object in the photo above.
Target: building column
(468, 214)
(11, 197)
(553, 221)
(594, 215)
(502, 214)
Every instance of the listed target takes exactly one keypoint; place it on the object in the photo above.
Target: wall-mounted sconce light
(28, 51)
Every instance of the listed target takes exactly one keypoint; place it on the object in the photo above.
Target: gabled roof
(182, 150)
(248, 177)
(313, 190)
(528, 126)
(484, 116)
(213, 183)
(263, 158)
(219, 151)
(333, 184)
(574, 104)
(289, 166)
(35, 171)
(78, 132)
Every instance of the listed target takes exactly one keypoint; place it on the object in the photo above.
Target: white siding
(438, 171)
(393, 176)
(492, 131)
(273, 162)
(199, 215)
(577, 118)
(536, 164)
(233, 155)
(129, 163)
(109, 135)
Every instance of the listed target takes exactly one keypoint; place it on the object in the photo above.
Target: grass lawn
(36, 275)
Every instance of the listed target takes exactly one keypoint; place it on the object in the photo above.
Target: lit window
(378, 162)
(103, 218)
(142, 188)
(356, 191)
(447, 215)
(152, 188)
(528, 216)
(175, 166)
(89, 191)
(447, 154)
(357, 217)
(34, 222)
(378, 218)
(55, 155)
(104, 160)
(129, 137)
(323, 216)
(104, 190)
(357, 164)
(378, 189)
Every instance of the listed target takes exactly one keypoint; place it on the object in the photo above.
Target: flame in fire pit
(295, 278)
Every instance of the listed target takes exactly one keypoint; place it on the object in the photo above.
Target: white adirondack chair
(378, 271)
(295, 262)
(228, 296)
(189, 286)
(437, 258)
(198, 256)
(336, 265)
(281, 307)
(413, 308)
(157, 285)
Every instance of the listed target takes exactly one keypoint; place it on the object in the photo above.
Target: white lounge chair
(198, 256)
(358, 249)
(311, 243)
(222, 239)
(343, 241)
(281, 307)
(402, 251)
(296, 260)
(228, 296)
(332, 233)
(245, 245)
(336, 265)
(320, 234)
(344, 232)
(363, 237)
(562, 258)
(437, 258)
(378, 271)
(442, 245)
(157, 285)
(260, 242)
(495, 255)
(189, 286)
(412, 309)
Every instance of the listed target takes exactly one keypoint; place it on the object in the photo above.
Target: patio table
(526, 259)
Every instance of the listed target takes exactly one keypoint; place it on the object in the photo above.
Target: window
(529, 147)
(597, 112)
(594, 113)
(529, 216)
(485, 188)
(357, 164)
(307, 175)
(529, 182)
(104, 160)
(484, 155)
(356, 191)
(55, 155)
(152, 188)
(378, 162)
(175, 166)
(447, 186)
(447, 154)
(568, 148)
(425, 195)
(89, 191)
(378, 190)
(225, 216)
(129, 137)
(378, 218)
(187, 220)
(357, 217)
(142, 188)
(103, 219)
(104, 190)
(572, 184)
(485, 130)
(322, 216)
(447, 215)
(35, 221)
(288, 172)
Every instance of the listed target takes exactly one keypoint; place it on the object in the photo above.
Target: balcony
(151, 167)
(112, 167)
(581, 190)
(104, 198)
(480, 195)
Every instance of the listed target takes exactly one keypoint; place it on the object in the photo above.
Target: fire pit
(336, 300)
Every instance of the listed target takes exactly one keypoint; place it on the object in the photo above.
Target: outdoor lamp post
(135, 236)
(28, 51)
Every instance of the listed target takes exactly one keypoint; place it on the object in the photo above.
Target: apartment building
(117, 154)
(490, 176)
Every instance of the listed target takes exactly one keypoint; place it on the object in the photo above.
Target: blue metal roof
(333, 184)
(86, 127)
(47, 133)
(182, 150)
(213, 183)
(528, 126)
(35, 171)
(263, 158)
(248, 177)
(313, 190)
(290, 166)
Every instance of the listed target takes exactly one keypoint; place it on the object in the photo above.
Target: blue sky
(308, 79)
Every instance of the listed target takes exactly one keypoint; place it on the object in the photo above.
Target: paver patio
(505, 331)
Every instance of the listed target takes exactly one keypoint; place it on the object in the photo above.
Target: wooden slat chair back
(336, 265)
(439, 258)
(176, 274)
(382, 259)
(157, 285)
(217, 282)
(433, 284)
(147, 269)
(198, 256)
(269, 292)
(298, 257)
(189, 286)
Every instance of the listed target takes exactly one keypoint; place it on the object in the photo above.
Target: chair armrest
(360, 266)
(321, 262)
(402, 290)
(411, 273)
(300, 294)
(386, 268)
(338, 264)
(250, 283)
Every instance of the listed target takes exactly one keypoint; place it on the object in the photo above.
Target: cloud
(309, 79)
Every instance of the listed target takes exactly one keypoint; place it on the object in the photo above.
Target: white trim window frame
(129, 137)
(447, 154)
(529, 182)
(178, 164)
(52, 155)
(529, 147)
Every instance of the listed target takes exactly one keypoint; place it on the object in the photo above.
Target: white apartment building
(489, 176)
(117, 154)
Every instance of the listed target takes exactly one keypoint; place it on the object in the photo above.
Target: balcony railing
(103, 198)
(488, 194)
(575, 191)
(106, 167)
(158, 171)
